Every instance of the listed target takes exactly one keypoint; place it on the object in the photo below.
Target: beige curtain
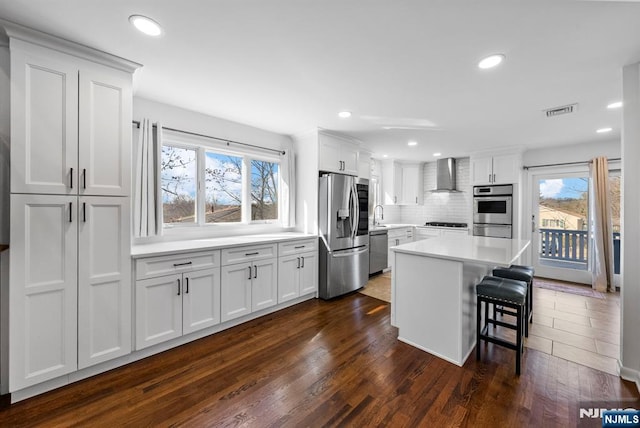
(602, 270)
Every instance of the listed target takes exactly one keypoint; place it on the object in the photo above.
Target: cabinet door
(349, 157)
(158, 310)
(264, 287)
(200, 300)
(104, 132)
(44, 121)
(506, 169)
(309, 273)
(411, 189)
(329, 154)
(288, 278)
(235, 293)
(482, 170)
(455, 233)
(42, 289)
(391, 183)
(104, 279)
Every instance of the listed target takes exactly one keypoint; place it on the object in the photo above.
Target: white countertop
(172, 247)
(419, 226)
(497, 251)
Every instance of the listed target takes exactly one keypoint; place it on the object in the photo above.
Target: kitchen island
(433, 300)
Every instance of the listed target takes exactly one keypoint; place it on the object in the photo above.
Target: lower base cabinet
(170, 306)
(298, 275)
(248, 287)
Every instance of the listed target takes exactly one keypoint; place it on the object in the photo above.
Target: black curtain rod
(282, 152)
(566, 163)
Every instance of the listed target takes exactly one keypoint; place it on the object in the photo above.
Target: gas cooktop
(444, 224)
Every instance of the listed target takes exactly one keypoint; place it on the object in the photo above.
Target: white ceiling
(290, 65)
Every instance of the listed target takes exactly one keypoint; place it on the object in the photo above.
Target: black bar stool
(508, 293)
(519, 273)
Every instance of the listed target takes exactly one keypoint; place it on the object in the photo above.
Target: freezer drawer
(343, 271)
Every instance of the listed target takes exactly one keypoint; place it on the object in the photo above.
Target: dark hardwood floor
(323, 364)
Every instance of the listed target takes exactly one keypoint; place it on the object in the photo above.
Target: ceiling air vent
(557, 111)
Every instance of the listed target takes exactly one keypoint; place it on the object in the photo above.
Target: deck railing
(572, 246)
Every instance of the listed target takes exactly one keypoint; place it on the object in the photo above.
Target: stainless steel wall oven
(493, 211)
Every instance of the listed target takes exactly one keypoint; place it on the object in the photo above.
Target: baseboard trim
(629, 374)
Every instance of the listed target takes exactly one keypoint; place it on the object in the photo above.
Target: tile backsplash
(441, 206)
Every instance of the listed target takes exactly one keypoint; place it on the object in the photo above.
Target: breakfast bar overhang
(433, 300)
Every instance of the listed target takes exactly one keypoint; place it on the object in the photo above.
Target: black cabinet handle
(252, 254)
(298, 247)
(187, 281)
(178, 286)
(71, 178)
(255, 271)
(249, 272)
(298, 267)
(84, 178)
(182, 264)
(70, 212)
(302, 262)
(84, 212)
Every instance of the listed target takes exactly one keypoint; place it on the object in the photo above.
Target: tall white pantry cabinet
(70, 265)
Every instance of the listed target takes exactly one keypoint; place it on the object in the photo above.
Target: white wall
(306, 150)
(443, 206)
(187, 120)
(571, 153)
(630, 267)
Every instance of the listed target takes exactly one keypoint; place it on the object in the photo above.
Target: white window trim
(201, 146)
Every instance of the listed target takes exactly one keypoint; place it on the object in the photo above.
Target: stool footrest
(502, 324)
(499, 341)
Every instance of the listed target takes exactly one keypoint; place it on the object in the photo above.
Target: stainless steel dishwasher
(378, 242)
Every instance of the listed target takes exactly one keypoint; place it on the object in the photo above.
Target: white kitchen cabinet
(297, 275)
(170, 306)
(424, 232)
(499, 169)
(43, 289)
(249, 280)
(178, 303)
(337, 155)
(398, 236)
(412, 184)
(70, 286)
(70, 124)
(402, 184)
(104, 279)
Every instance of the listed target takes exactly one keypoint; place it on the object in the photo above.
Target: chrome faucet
(377, 222)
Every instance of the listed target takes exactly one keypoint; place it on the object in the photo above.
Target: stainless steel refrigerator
(343, 223)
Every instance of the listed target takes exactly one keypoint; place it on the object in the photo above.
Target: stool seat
(507, 293)
(503, 289)
(528, 269)
(511, 273)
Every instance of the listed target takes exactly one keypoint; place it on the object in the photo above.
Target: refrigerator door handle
(352, 212)
(350, 252)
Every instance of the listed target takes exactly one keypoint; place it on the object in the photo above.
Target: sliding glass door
(560, 221)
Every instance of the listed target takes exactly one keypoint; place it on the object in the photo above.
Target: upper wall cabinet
(499, 169)
(70, 124)
(402, 184)
(337, 155)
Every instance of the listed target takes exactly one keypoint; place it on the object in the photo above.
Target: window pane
(178, 181)
(223, 188)
(264, 190)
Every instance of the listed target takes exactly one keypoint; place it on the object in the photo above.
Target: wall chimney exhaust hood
(445, 175)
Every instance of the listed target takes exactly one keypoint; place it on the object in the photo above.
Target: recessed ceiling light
(491, 61)
(437, 154)
(412, 143)
(617, 104)
(603, 130)
(146, 25)
(385, 156)
(345, 114)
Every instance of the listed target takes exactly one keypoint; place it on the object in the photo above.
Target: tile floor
(582, 329)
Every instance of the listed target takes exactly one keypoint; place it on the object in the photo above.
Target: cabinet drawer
(295, 247)
(249, 253)
(151, 267)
